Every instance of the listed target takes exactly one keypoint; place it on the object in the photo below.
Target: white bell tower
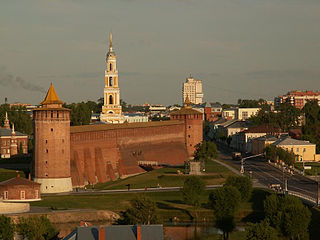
(111, 109)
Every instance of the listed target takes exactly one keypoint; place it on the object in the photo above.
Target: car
(236, 156)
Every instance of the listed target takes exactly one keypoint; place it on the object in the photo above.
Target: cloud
(8, 80)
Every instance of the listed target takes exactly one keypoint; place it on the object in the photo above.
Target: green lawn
(168, 177)
(170, 204)
(7, 174)
(315, 168)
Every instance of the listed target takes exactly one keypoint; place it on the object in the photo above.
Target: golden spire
(51, 97)
(110, 46)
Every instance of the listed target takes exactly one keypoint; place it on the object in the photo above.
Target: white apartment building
(239, 113)
(193, 90)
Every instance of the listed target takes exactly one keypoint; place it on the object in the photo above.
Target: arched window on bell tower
(111, 67)
(110, 81)
(110, 99)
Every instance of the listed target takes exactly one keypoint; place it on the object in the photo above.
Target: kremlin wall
(68, 157)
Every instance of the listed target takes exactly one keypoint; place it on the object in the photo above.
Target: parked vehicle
(236, 156)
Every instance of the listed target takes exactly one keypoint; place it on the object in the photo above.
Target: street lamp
(242, 167)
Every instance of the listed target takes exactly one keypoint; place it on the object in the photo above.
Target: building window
(22, 195)
(51, 129)
(46, 141)
(62, 150)
(111, 67)
(46, 150)
(62, 140)
(297, 149)
(5, 195)
(8, 150)
(51, 114)
(110, 99)
(4, 143)
(110, 81)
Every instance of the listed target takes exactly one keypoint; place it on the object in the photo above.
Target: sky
(246, 49)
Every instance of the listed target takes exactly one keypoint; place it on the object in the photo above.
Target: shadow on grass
(162, 205)
(257, 198)
(176, 201)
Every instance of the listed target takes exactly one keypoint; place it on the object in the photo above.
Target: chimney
(102, 233)
(18, 174)
(138, 232)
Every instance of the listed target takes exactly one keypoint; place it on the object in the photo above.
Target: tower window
(51, 129)
(110, 99)
(51, 114)
(111, 67)
(110, 81)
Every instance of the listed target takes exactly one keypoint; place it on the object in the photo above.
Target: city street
(267, 174)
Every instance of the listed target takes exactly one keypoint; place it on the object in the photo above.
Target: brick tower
(51, 127)
(193, 125)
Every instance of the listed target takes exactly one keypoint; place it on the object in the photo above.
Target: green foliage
(17, 115)
(80, 113)
(261, 231)
(6, 228)
(277, 153)
(250, 103)
(287, 116)
(225, 201)
(192, 189)
(141, 211)
(243, 184)
(36, 228)
(205, 150)
(288, 215)
(311, 128)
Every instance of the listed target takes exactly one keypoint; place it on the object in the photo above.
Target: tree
(205, 150)
(6, 228)
(288, 215)
(261, 231)
(192, 189)
(142, 211)
(225, 202)
(243, 184)
(36, 228)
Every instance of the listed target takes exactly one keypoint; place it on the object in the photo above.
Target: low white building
(239, 113)
(135, 117)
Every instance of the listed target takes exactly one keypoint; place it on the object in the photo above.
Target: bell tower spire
(111, 109)
(110, 43)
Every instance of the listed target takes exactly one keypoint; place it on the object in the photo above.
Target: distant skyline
(245, 49)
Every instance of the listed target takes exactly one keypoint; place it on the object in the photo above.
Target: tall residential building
(111, 109)
(193, 89)
(298, 98)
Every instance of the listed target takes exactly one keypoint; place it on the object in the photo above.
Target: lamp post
(303, 159)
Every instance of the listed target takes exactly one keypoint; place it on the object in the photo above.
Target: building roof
(115, 232)
(290, 141)
(8, 132)
(238, 124)
(103, 127)
(51, 97)
(185, 111)
(267, 138)
(19, 181)
(263, 129)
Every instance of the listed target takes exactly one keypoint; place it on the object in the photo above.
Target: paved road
(267, 174)
(117, 191)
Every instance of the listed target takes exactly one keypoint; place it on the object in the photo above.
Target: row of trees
(285, 117)
(31, 228)
(285, 217)
(18, 116)
(277, 153)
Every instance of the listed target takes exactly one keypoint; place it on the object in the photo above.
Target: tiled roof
(238, 124)
(263, 129)
(103, 127)
(18, 181)
(51, 97)
(116, 232)
(8, 132)
(291, 141)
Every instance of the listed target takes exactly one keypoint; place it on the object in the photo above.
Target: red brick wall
(106, 155)
(14, 191)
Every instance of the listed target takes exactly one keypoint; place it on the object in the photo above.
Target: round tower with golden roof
(51, 160)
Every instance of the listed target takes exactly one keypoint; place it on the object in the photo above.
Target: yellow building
(304, 150)
(111, 109)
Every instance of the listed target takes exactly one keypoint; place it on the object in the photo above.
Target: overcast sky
(239, 48)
